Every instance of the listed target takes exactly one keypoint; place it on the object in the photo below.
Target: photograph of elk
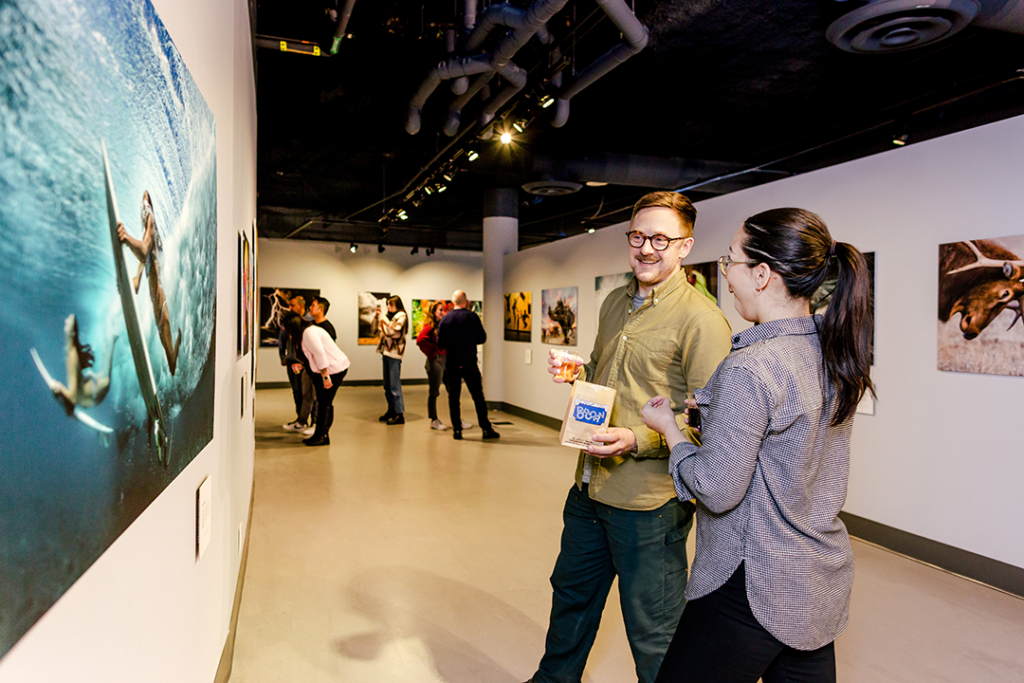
(559, 309)
(518, 319)
(981, 289)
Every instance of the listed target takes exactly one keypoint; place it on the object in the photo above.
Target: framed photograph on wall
(560, 309)
(368, 305)
(603, 286)
(518, 316)
(981, 289)
(704, 278)
(274, 303)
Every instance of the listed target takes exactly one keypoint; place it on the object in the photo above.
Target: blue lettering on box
(589, 413)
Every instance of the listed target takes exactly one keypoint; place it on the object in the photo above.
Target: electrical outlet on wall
(241, 537)
(529, 356)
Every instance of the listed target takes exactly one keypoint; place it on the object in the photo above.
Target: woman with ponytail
(770, 586)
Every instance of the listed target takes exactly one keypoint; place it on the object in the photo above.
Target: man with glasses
(656, 336)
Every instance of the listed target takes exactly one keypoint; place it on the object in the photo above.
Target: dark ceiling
(726, 94)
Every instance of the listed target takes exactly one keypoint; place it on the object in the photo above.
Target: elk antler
(1012, 270)
(1018, 313)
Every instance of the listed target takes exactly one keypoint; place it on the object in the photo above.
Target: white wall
(340, 274)
(146, 610)
(942, 456)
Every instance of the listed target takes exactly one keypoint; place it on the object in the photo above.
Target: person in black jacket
(458, 334)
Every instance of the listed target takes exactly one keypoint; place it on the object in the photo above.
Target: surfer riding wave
(85, 388)
(146, 251)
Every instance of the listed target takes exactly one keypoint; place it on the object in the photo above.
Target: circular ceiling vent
(893, 25)
(551, 188)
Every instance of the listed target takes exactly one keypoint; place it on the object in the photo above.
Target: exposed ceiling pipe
(490, 19)
(634, 39)
(516, 78)
(339, 31)
(631, 170)
(459, 84)
(454, 120)
(444, 71)
(469, 14)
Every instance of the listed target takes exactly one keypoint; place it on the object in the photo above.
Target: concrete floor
(397, 554)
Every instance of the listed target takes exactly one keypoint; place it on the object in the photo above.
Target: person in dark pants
(458, 334)
(326, 365)
(427, 341)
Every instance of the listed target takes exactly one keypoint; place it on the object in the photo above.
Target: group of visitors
(765, 472)
(316, 365)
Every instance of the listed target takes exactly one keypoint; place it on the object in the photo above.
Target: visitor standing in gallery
(771, 580)
(427, 341)
(656, 335)
(392, 326)
(326, 364)
(458, 334)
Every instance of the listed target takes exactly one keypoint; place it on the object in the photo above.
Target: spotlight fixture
(596, 183)
(518, 127)
(591, 230)
(900, 140)
(403, 215)
(441, 188)
(546, 102)
(352, 247)
(505, 138)
(430, 251)
(415, 250)
(428, 189)
(380, 248)
(448, 175)
(473, 156)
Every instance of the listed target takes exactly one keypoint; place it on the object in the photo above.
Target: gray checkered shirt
(770, 479)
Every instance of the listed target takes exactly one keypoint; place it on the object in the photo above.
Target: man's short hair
(324, 303)
(301, 300)
(679, 203)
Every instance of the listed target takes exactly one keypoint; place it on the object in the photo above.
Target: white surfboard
(78, 412)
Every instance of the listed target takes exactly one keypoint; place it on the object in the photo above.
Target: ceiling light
(473, 156)
(595, 183)
(415, 250)
(380, 248)
(442, 188)
(428, 190)
(403, 215)
(900, 140)
(448, 175)
(518, 128)
(506, 138)
(352, 247)
(591, 230)
(547, 102)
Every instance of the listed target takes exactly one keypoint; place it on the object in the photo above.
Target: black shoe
(457, 434)
(386, 416)
(397, 419)
(317, 440)
(491, 434)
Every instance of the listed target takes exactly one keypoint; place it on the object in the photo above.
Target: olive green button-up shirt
(669, 346)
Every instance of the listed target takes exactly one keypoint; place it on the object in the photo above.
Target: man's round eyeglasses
(658, 241)
(724, 262)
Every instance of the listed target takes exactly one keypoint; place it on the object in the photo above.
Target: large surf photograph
(108, 268)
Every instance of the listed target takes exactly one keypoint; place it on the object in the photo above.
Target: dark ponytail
(796, 245)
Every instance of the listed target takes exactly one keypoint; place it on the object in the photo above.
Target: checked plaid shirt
(770, 479)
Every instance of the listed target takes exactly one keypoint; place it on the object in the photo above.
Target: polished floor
(398, 555)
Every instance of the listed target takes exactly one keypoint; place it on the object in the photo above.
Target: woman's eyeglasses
(725, 261)
(659, 242)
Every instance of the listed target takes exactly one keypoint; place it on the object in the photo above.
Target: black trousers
(720, 641)
(296, 383)
(325, 402)
(454, 374)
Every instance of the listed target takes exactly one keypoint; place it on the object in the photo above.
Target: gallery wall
(941, 457)
(340, 274)
(148, 609)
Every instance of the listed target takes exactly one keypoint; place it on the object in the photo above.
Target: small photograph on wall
(518, 317)
(981, 289)
(247, 297)
(603, 286)
(274, 303)
(704, 278)
(369, 304)
(108, 239)
(558, 319)
(820, 299)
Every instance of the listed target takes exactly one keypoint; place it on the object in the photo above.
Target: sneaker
(491, 434)
(457, 434)
(308, 431)
(438, 425)
(386, 416)
(294, 426)
(397, 420)
(467, 425)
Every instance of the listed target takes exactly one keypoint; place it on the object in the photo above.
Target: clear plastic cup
(567, 367)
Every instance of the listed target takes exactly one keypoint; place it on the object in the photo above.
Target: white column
(501, 236)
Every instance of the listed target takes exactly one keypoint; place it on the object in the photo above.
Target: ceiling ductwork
(884, 26)
(629, 169)
(551, 188)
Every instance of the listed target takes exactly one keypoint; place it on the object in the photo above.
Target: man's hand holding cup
(564, 365)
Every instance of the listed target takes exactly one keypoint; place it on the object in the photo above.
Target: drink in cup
(567, 367)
